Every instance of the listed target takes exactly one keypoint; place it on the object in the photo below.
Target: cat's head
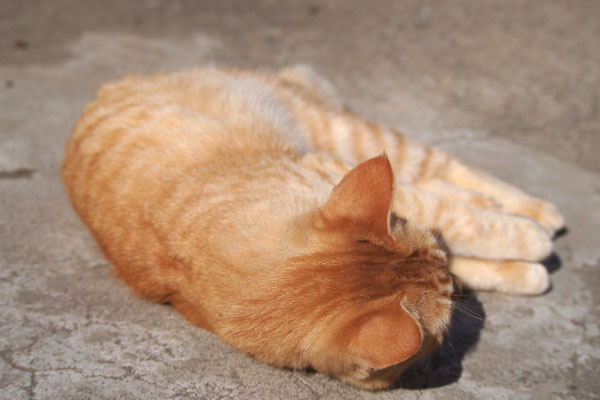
(381, 288)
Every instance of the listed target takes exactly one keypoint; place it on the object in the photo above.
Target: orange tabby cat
(231, 195)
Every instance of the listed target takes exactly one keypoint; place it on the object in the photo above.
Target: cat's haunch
(259, 208)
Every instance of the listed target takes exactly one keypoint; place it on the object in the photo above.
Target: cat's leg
(472, 232)
(469, 231)
(514, 277)
(353, 140)
(440, 167)
(455, 193)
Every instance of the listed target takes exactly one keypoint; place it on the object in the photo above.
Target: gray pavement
(512, 87)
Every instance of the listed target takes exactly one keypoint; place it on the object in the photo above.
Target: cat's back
(188, 106)
(152, 156)
(139, 128)
(151, 146)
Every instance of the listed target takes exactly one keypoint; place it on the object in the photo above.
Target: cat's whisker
(467, 311)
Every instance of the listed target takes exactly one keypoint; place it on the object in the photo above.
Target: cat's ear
(383, 338)
(363, 198)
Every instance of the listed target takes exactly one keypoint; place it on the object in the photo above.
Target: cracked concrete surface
(512, 87)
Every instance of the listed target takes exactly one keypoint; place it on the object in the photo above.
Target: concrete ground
(512, 87)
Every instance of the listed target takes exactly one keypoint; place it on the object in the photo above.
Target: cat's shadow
(444, 366)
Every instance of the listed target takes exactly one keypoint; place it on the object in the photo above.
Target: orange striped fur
(251, 202)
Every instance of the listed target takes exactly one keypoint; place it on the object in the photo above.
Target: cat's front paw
(523, 278)
(501, 237)
(513, 277)
(550, 218)
(545, 213)
(531, 242)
